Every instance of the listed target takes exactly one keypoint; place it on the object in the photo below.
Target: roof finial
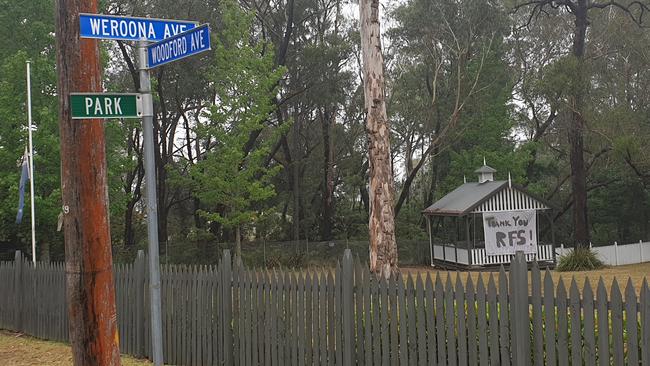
(509, 181)
(484, 161)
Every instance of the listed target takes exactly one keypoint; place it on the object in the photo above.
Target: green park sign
(105, 105)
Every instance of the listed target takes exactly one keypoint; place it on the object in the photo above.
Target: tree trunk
(90, 290)
(408, 164)
(327, 208)
(408, 154)
(160, 152)
(576, 131)
(136, 176)
(45, 250)
(433, 183)
(383, 247)
(295, 222)
(163, 213)
(129, 234)
(238, 241)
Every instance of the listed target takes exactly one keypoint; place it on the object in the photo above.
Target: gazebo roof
(485, 169)
(470, 196)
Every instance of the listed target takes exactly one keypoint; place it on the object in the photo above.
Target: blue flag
(24, 175)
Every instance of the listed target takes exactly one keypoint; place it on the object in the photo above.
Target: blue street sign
(179, 46)
(130, 28)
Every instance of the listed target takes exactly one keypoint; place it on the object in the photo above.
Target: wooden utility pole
(383, 248)
(89, 275)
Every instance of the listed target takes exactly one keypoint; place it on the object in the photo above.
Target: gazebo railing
(450, 253)
(479, 256)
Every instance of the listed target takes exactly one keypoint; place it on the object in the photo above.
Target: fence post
(519, 306)
(640, 251)
(616, 253)
(347, 280)
(18, 291)
(140, 273)
(226, 296)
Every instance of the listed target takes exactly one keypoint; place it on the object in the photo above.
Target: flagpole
(31, 160)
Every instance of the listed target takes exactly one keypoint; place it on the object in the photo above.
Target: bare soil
(22, 350)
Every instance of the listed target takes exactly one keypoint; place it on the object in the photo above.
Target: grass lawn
(636, 272)
(22, 350)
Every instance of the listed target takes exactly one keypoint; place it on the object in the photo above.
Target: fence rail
(231, 315)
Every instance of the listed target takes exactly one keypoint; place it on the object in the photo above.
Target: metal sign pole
(31, 160)
(152, 211)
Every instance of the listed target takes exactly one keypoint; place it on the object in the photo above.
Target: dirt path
(22, 350)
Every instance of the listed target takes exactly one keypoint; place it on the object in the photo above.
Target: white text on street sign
(109, 105)
(130, 28)
(182, 45)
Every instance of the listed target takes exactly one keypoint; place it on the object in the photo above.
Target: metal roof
(485, 169)
(489, 196)
(464, 198)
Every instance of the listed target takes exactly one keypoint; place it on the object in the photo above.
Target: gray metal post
(347, 283)
(140, 276)
(152, 210)
(18, 292)
(521, 316)
(226, 296)
(31, 161)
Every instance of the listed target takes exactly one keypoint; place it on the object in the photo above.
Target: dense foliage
(264, 135)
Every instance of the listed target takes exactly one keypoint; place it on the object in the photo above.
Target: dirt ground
(21, 350)
(635, 272)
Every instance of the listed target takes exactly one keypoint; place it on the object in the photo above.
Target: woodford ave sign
(179, 46)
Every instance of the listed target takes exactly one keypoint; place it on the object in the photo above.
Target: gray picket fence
(231, 315)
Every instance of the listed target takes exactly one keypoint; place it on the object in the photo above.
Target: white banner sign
(508, 232)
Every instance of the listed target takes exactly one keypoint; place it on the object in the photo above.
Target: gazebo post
(467, 236)
(444, 252)
(430, 238)
(550, 220)
(474, 236)
(457, 239)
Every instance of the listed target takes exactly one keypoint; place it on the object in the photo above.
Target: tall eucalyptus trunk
(383, 247)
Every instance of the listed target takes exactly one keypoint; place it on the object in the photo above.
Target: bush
(580, 259)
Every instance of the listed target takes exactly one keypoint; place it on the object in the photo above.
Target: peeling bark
(383, 247)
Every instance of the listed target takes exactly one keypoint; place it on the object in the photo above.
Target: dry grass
(21, 350)
(635, 272)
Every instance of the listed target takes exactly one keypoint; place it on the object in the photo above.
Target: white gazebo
(473, 208)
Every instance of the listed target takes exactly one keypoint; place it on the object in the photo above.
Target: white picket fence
(617, 254)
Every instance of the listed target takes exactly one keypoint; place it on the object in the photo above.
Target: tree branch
(627, 9)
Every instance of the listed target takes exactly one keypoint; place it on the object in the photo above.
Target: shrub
(580, 259)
